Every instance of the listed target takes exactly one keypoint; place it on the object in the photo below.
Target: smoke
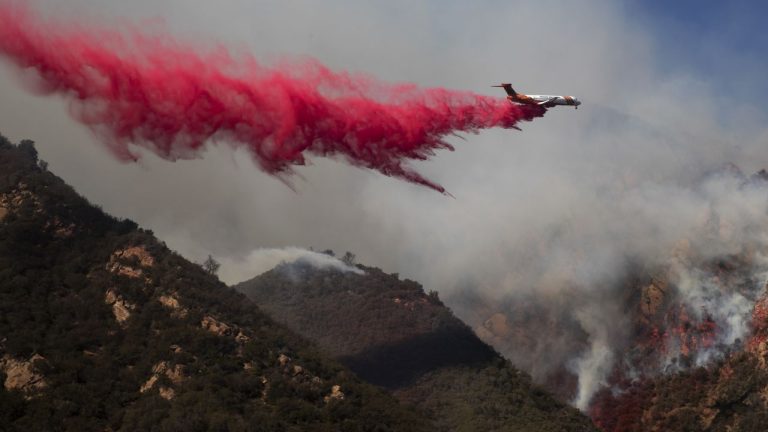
(262, 260)
(592, 368)
(146, 90)
(686, 261)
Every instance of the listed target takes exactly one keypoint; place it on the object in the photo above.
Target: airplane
(547, 101)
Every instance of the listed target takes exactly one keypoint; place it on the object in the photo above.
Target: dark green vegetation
(391, 333)
(103, 328)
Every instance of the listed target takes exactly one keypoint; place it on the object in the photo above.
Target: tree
(211, 266)
(28, 148)
(349, 258)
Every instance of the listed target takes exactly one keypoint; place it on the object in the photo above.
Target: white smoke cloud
(728, 303)
(594, 365)
(262, 260)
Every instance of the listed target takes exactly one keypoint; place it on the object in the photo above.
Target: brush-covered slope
(393, 334)
(677, 341)
(728, 395)
(102, 327)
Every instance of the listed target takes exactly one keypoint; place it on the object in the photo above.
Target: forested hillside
(393, 334)
(102, 327)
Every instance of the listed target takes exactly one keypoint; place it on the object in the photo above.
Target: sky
(700, 36)
(671, 92)
(622, 59)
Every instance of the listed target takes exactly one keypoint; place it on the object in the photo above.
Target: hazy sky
(722, 41)
(669, 93)
(651, 112)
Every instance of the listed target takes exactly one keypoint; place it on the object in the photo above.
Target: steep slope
(728, 395)
(681, 368)
(102, 327)
(393, 334)
(673, 342)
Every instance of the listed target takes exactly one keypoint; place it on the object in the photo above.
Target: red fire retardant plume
(147, 91)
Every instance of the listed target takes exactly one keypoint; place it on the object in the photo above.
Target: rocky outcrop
(176, 375)
(221, 328)
(283, 360)
(294, 372)
(130, 261)
(495, 327)
(266, 388)
(60, 229)
(215, 326)
(15, 199)
(63, 296)
(120, 308)
(411, 304)
(166, 393)
(172, 302)
(335, 394)
(652, 297)
(297, 372)
(21, 374)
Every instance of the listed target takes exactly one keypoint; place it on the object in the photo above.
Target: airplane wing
(548, 101)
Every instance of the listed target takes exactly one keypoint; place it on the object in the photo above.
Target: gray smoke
(262, 260)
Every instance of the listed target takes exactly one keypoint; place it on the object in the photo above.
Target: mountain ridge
(390, 332)
(102, 327)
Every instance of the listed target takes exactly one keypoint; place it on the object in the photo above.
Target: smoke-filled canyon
(657, 297)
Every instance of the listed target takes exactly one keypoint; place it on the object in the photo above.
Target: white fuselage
(545, 100)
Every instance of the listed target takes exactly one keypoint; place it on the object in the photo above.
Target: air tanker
(546, 101)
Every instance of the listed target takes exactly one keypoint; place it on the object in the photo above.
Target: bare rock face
(267, 387)
(21, 375)
(169, 301)
(412, 304)
(652, 299)
(497, 325)
(223, 329)
(172, 303)
(335, 394)
(215, 326)
(283, 359)
(176, 375)
(119, 262)
(14, 199)
(121, 311)
(60, 229)
(140, 252)
(167, 393)
(120, 308)
(149, 384)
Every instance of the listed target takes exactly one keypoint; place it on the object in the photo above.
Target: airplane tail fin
(508, 88)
